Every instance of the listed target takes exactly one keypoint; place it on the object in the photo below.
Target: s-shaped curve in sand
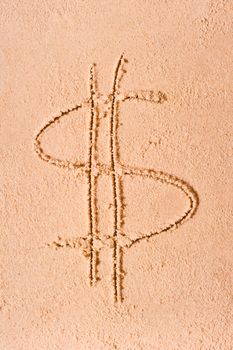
(92, 169)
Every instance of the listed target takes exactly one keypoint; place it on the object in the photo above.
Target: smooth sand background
(178, 287)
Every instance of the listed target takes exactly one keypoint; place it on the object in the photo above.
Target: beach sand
(116, 175)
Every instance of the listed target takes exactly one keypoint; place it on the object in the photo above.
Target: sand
(116, 175)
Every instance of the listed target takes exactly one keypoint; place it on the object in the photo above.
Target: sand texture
(116, 175)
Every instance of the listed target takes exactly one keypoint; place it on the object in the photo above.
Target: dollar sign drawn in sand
(92, 169)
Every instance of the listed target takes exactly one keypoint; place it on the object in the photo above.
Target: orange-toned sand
(116, 175)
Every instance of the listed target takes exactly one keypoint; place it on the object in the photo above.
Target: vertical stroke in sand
(91, 179)
(115, 184)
